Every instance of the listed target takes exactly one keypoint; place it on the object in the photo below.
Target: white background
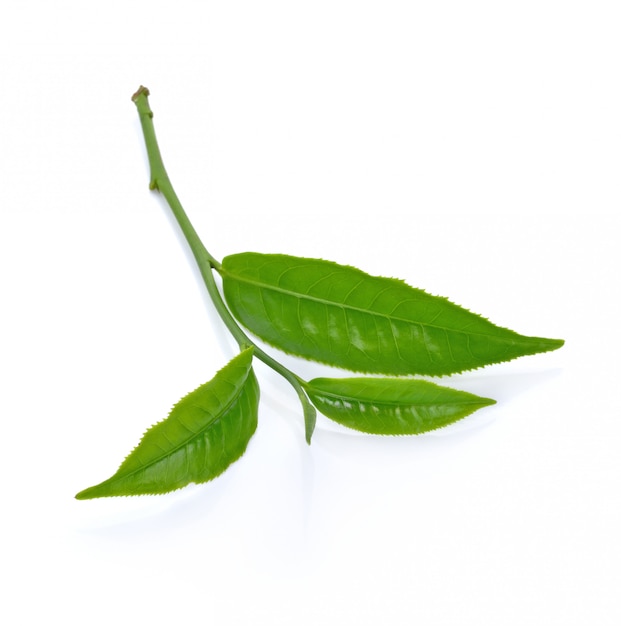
(471, 148)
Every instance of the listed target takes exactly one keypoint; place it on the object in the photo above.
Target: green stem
(161, 182)
(205, 261)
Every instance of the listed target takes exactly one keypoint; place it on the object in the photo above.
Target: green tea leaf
(391, 406)
(344, 317)
(205, 432)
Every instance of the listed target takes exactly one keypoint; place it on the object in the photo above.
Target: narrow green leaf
(344, 317)
(391, 406)
(205, 432)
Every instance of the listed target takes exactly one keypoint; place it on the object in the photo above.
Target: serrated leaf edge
(82, 494)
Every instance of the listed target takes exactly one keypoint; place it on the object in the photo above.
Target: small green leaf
(344, 317)
(391, 406)
(205, 432)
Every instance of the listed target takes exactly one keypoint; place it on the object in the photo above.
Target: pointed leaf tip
(310, 420)
(553, 344)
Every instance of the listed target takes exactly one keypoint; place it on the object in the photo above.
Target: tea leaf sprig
(323, 312)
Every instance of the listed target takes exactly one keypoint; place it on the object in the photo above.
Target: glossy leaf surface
(205, 432)
(344, 317)
(391, 406)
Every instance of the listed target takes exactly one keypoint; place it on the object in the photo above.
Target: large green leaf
(205, 432)
(391, 406)
(344, 317)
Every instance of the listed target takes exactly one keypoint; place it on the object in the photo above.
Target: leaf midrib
(332, 394)
(194, 436)
(386, 316)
